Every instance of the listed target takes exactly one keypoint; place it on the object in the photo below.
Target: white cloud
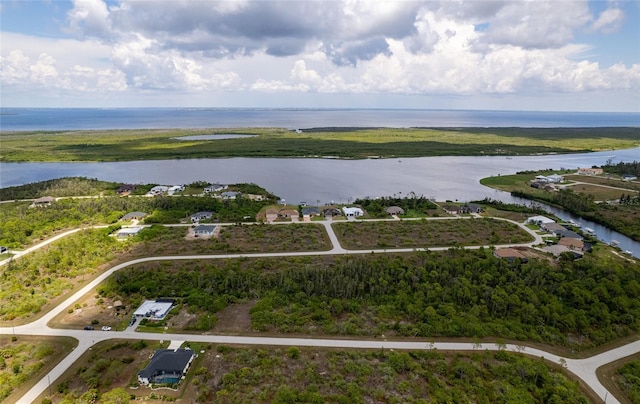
(359, 47)
(609, 20)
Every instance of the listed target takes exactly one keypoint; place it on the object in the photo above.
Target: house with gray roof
(167, 366)
(133, 216)
(395, 210)
(204, 215)
(204, 230)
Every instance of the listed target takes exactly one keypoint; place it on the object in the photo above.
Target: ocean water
(54, 119)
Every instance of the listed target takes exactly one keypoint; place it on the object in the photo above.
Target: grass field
(125, 145)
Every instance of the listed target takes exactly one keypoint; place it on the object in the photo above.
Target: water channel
(321, 181)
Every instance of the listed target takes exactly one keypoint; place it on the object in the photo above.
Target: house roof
(202, 214)
(395, 210)
(540, 219)
(572, 243)
(310, 210)
(45, 199)
(568, 234)
(204, 228)
(133, 215)
(554, 227)
(352, 210)
(167, 361)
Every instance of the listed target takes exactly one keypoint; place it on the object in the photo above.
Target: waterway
(321, 181)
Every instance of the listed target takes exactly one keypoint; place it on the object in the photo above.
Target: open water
(27, 119)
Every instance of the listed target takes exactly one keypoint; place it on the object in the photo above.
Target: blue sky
(564, 55)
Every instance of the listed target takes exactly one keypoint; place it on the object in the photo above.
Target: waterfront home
(540, 220)
(230, 195)
(167, 366)
(215, 188)
(590, 171)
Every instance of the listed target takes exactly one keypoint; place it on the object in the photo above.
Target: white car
(106, 328)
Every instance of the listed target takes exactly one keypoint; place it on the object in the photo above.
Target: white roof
(156, 310)
(352, 211)
(129, 231)
(540, 219)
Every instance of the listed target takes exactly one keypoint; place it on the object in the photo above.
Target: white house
(230, 195)
(555, 178)
(352, 211)
(158, 190)
(540, 220)
(175, 188)
(204, 215)
(127, 232)
(215, 188)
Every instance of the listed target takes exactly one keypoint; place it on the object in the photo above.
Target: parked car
(132, 322)
(88, 328)
(106, 328)
(3, 249)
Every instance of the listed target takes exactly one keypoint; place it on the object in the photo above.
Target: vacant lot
(228, 374)
(260, 238)
(25, 359)
(428, 233)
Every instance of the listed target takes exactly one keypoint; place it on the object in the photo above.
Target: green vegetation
(60, 187)
(428, 233)
(123, 145)
(623, 215)
(25, 358)
(413, 206)
(628, 380)
(312, 376)
(29, 283)
(229, 374)
(21, 224)
(457, 293)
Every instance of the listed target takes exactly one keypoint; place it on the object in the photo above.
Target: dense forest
(632, 168)
(458, 293)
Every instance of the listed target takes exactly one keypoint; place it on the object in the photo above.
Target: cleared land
(124, 145)
(428, 233)
(230, 374)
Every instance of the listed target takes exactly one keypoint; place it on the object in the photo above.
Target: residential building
(395, 210)
(204, 215)
(167, 366)
(204, 230)
(590, 171)
(215, 188)
(127, 232)
(352, 211)
(154, 309)
(133, 216)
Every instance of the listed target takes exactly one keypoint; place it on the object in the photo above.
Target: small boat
(589, 230)
(628, 252)
(574, 223)
(614, 243)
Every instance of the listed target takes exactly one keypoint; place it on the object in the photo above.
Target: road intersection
(585, 369)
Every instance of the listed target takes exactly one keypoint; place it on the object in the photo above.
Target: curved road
(585, 369)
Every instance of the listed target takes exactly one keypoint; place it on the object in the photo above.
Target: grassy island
(348, 143)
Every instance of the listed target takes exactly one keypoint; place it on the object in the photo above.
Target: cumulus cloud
(350, 46)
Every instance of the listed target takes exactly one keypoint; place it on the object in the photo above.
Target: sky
(559, 55)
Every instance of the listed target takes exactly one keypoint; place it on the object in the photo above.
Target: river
(320, 181)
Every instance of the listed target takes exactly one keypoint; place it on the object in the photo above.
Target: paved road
(583, 368)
